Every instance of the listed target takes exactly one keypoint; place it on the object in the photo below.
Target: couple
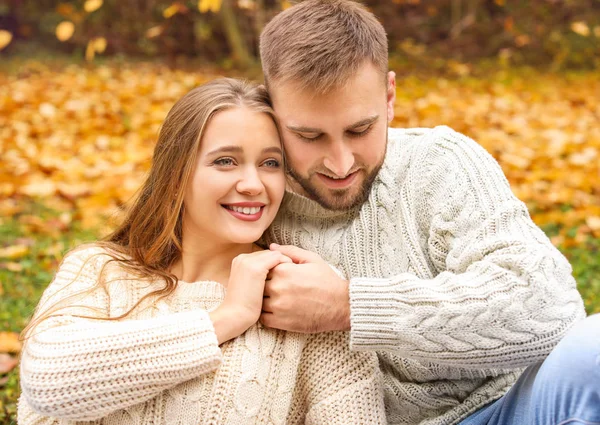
(455, 302)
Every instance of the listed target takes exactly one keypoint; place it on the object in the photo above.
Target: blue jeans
(562, 390)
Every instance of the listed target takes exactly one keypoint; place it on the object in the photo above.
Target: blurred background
(85, 85)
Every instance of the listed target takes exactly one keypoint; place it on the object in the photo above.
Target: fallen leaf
(14, 252)
(9, 342)
(593, 222)
(12, 267)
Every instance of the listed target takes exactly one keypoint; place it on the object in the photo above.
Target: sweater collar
(298, 204)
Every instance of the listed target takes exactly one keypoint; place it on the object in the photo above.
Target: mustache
(328, 173)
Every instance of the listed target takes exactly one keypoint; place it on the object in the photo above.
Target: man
(449, 280)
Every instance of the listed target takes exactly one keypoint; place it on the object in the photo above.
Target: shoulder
(426, 139)
(427, 150)
(87, 256)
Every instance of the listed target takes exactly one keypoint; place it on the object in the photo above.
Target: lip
(245, 217)
(246, 204)
(339, 183)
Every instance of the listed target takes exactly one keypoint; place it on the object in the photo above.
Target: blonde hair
(148, 242)
(320, 44)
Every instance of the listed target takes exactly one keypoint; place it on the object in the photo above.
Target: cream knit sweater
(162, 364)
(452, 284)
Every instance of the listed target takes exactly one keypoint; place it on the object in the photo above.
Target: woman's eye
(224, 162)
(273, 163)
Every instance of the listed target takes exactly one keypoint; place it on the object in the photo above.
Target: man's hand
(307, 296)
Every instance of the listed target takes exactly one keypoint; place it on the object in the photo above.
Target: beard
(338, 199)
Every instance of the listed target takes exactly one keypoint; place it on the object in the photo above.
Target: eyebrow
(304, 129)
(238, 149)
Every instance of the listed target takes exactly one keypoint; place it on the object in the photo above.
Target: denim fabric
(562, 390)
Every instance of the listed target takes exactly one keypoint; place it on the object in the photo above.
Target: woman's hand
(243, 302)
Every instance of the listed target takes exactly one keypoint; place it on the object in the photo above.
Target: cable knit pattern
(452, 284)
(162, 364)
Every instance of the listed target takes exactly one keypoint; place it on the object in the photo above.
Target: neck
(203, 259)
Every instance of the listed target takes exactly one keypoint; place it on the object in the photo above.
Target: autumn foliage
(80, 140)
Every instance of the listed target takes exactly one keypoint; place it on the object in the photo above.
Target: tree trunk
(237, 45)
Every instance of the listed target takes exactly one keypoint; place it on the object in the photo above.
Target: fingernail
(274, 245)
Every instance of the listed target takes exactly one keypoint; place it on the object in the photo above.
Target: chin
(245, 237)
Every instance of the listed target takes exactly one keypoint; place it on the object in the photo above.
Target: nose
(250, 182)
(339, 159)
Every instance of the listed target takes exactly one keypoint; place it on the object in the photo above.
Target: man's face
(335, 143)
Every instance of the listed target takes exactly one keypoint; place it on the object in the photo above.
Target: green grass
(20, 291)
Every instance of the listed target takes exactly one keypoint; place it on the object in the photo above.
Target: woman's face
(239, 182)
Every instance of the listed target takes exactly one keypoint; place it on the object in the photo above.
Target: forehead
(363, 94)
(239, 126)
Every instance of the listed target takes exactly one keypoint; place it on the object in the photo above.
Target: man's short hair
(320, 44)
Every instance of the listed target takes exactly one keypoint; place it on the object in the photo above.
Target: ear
(391, 95)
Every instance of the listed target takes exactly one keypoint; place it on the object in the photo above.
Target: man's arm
(502, 297)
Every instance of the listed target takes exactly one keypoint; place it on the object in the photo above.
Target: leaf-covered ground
(76, 142)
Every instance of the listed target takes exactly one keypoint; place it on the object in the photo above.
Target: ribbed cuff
(373, 314)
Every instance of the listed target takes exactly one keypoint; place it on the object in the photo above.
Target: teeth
(245, 210)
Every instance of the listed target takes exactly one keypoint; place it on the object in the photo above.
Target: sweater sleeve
(84, 369)
(338, 386)
(496, 293)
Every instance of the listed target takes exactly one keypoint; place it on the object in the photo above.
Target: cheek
(373, 149)
(275, 185)
(208, 188)
(302, 156)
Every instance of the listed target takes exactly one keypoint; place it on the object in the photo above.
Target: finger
(298, 255)
(267, 291)
(269, 259)
(267, 305)
(286, 259)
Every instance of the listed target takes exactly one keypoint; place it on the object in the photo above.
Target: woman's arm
(84, 369)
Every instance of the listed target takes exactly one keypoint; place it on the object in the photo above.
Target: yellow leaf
(65, 30)
(285, 4)
(41, 188)
(593, 222)
(12, 267)
(209, 5)
(597, 31)
(247, 4)
(90, 51)
(9, 342)
(171, 10)
(5, 38)
(100, 44)
(580, 28)
(92, 5)
(154, 31)
(13, 252)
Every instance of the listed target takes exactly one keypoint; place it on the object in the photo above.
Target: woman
(157, 324)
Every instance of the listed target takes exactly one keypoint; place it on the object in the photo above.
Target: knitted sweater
(452, 284)
(162, 364)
